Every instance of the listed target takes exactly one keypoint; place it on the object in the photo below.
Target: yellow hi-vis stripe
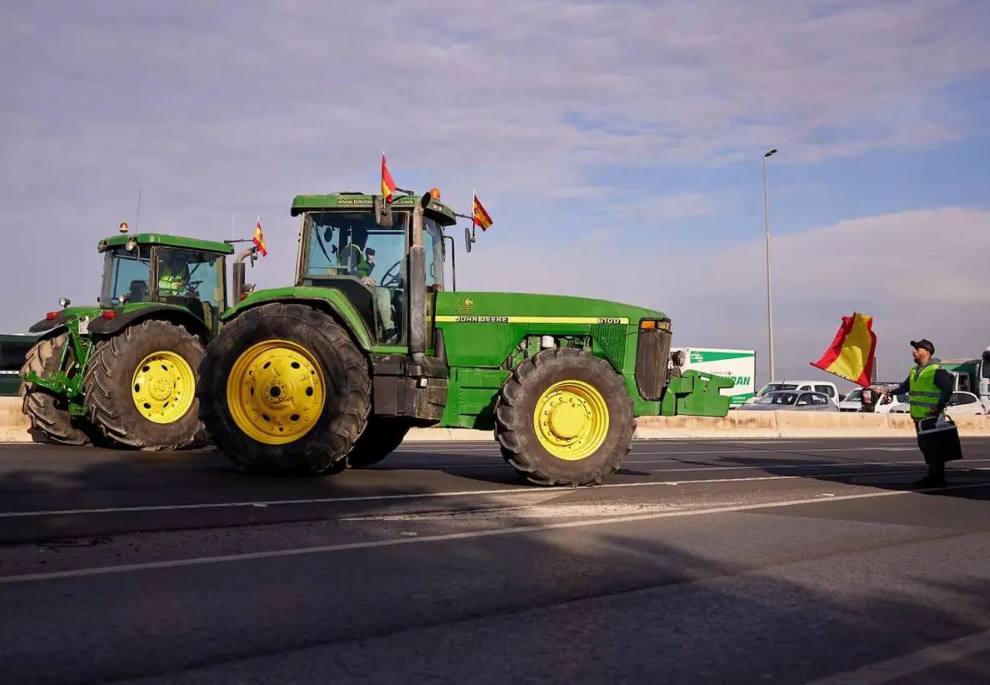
(488, 318)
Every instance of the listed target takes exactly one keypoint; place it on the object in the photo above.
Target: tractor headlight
(64, 302)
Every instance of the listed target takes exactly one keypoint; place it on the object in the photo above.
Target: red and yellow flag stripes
(388, 184)
(479, 215)
(259, 239)
(851, 353)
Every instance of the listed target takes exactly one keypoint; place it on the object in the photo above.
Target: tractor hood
(466, 307)
(481, 329)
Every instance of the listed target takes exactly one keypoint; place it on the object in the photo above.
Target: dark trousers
(936, 465)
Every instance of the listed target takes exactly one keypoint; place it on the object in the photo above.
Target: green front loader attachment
(696, 394)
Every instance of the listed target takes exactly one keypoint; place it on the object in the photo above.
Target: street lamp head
(771, 152)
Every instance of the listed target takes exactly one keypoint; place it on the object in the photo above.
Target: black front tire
(345, 378)
(109, 400)
(49, 413)
(514, 423)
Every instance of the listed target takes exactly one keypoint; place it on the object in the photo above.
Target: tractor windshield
(191, 278)
(127, 275)
(363, 259)
(352, 244)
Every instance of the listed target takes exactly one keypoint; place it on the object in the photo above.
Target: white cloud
(671, 206)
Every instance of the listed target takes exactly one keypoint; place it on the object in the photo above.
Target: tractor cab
(360, 246)
(165, 269)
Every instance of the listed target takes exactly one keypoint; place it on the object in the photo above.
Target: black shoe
(930, 481)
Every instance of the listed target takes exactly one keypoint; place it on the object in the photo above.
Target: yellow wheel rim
(275, 392)
(163, 387)
(571, 420)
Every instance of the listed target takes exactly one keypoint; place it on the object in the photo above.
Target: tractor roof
(166, 240)
(443, 214)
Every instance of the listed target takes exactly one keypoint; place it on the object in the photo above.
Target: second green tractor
(123, 372)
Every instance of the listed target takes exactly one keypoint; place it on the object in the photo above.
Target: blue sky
(617, 145)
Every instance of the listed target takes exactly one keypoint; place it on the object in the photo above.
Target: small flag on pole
(852, 352)
(388, 184)
(259, 239)
(479, 216)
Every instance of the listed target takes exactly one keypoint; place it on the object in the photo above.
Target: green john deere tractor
(124, 372)
(333, 371)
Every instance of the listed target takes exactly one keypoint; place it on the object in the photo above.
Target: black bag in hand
(938, 439)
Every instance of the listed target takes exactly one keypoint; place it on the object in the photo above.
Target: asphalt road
(767, 561)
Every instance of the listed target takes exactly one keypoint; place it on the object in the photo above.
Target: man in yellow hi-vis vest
(173, 275)
(929, 388)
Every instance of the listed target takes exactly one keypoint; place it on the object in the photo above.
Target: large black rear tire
(608, 438)
(48, 413)
(285, 423)
(110, 390)
(380, 439)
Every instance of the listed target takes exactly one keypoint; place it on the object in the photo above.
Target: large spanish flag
(388, 184)
(851, 353)
(479, 215)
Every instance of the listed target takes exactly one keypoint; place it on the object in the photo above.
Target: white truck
(739, 365)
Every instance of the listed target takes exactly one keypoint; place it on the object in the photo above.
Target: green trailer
(368, 342)
(123, 372)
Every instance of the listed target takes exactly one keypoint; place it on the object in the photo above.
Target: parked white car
(799, 386)
(785, 400)
(854, 402)
(960, 404)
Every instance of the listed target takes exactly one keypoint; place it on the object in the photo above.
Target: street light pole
(766, 223)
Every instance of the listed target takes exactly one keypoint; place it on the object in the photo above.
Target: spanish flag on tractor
(388, 184)
(479, 215)
(852, 352)
(259, 239)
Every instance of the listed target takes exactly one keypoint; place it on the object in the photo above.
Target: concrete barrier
(738, 424)
(14, 425)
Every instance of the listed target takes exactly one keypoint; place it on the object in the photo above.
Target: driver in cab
(173, 275)
(383, 295)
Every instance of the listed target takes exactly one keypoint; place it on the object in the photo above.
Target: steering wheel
(390, 279)
(192, 288)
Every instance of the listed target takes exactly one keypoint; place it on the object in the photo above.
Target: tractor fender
(330, 301)
(161, 312)
(48, 327)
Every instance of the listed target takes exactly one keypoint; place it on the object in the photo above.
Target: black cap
(923, 344)
(370, 251)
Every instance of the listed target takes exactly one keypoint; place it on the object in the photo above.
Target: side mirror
(467, 239)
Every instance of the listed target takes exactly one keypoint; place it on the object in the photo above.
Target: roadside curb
(14, 426)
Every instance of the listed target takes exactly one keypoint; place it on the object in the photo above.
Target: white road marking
(707, 467)
(635, 452)
(907, 665)
(530, 490)
(447, 537)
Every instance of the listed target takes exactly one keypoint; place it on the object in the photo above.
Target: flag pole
(474, 222)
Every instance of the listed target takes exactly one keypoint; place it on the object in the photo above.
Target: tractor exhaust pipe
(241, 289)
(417, 285)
